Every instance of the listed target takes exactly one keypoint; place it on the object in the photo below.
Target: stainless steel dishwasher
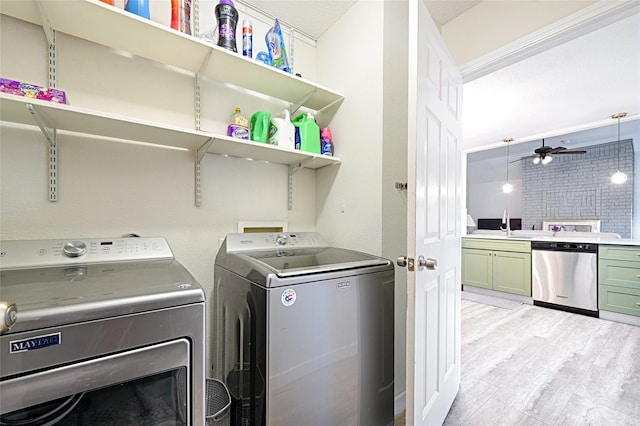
(565, 276)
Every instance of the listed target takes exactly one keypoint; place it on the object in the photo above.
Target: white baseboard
(400, 403)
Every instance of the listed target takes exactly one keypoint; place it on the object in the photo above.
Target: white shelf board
(73, 119)
(13, 109)
(118, 29)
(225, 145)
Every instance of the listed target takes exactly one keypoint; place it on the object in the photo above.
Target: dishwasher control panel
(564, 246)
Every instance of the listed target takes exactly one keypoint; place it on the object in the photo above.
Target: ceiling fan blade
(528, 157)
(557, 150)
(577, 151)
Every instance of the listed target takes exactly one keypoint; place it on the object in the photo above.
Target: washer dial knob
(282, 239)
(74, 249)
(8, 315)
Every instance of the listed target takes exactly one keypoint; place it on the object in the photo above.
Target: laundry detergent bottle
(282, 131)
(307, 133)
(139, 7)
(227, 17)
(260, 123)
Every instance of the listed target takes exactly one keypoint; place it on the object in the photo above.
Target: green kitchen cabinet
(477, 268)
(619, 279)
(497, 265)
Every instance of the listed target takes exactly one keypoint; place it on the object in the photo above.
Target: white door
(434, 210)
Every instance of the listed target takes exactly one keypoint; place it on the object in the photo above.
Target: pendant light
(507, 188)
(619, 177)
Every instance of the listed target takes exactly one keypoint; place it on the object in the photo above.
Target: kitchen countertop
(569, 237)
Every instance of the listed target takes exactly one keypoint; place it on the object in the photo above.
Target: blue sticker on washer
(34, 343)
(288, 297)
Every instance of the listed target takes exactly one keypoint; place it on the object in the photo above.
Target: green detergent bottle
(260, 123)
(307, 133)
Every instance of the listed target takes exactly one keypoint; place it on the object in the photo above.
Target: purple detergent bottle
(227, 17)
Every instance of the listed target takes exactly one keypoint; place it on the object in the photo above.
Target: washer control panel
(266, 241)
(18, 254)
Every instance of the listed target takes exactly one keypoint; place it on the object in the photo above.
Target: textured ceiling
(443, 11)
(314, 17)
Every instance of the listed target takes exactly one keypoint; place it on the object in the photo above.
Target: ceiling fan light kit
(543, 154)
(618, 178)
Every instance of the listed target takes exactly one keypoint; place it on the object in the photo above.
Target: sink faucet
(506, 223)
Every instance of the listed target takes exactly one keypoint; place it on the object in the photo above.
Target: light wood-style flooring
(527, 365)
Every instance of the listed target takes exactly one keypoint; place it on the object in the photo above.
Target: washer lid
(306, 261)
(54, 296)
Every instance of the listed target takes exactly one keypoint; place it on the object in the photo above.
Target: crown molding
(576, 25)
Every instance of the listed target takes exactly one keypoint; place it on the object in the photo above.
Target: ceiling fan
(542, 154)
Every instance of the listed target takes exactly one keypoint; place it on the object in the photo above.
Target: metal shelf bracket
(51, 136)
(199, 155)
(197, 89)
(295, 106)
(46, 25)
(293, 169)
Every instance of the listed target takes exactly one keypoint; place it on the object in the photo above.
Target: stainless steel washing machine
(99, 331)
(303, 332)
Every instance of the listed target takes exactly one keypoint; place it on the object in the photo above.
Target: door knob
(428, 263)
(404, 261)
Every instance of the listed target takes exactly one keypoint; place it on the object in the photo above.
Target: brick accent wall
(579, 187)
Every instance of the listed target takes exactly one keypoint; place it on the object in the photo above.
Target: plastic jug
(139, 7)
(307, 133)
(260, 123)
(282, 132)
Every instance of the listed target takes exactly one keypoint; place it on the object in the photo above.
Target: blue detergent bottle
(139, 7)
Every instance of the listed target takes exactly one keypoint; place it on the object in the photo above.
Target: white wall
(106, 188)
(486, 199)
(349, 205)
(358, 205)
